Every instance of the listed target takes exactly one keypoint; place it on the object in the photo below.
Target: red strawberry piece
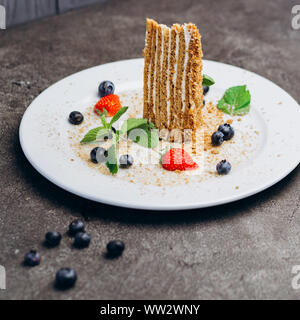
(178, 159)
(111, 103)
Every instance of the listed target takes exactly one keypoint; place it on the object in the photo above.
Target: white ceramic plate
(45, 142)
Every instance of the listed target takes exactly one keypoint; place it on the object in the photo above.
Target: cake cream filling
(168, 75)
(154, 84)
(187, 39)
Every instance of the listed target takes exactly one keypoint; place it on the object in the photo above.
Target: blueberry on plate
(75, 117)
(82, 239)
(205, 90)
(223, 167)
(126, 160)
(217, 138)
(32, 258)
(99, 155)
(52, 238)
(115, 248)
(227, 131)
(106, 88)
(75, 227)
(65, 278)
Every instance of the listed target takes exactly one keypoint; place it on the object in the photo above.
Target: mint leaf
(236, 101)
(95, 134)
(145, 136)
(132, 123)
(111, 162)
(118, 115)
(207, 81)
(141, 131)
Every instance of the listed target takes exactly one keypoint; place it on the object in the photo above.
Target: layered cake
(173, 94)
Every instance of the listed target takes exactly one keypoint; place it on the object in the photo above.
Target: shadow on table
(91, 210)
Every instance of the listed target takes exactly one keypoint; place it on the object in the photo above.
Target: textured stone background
(241, 250)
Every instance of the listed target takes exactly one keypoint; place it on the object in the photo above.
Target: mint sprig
(132, 123)
(236, 101)
(103, 116)
(140, 131)
(99, 132)
(112, 163)
(207, 81)
(95, 134)
(118, 115)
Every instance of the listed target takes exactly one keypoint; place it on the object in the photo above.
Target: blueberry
(75, 117)
(115, 248)
(65, 278)
(204, 102)
(223, 167)
(217, 138)
(32, 258)
(52, 238)
(126, 160)
(227, 131)
(98, 155)
(82, 240)
(205, 90)
(75, 227)
(106, 88)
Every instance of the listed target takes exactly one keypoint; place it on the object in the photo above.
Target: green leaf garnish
(95, 134)
(141, 131)
(111, 162)
(207, 81)
(144, 135)
(132, 123)
(103, 116)
(118, 115)
(236, 101)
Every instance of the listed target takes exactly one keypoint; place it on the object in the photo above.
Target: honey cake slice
(173, 93)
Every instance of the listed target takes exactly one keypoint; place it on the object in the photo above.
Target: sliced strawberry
(111, 103)
(178, 159)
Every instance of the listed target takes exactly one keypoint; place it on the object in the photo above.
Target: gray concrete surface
(244, 250)
(21, 11)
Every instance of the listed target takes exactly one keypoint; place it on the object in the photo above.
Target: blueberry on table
(106, 88)
(75, 227)
(52, 238)
(65, 278)
(227, 131)
(205, 90)
(223, 167)
(75, 117)
(32, 258)
(126, 160)
(115, 248)
(99, 155)
(217, 138)
(82, 240)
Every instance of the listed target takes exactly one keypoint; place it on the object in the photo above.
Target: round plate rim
(137, 205)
